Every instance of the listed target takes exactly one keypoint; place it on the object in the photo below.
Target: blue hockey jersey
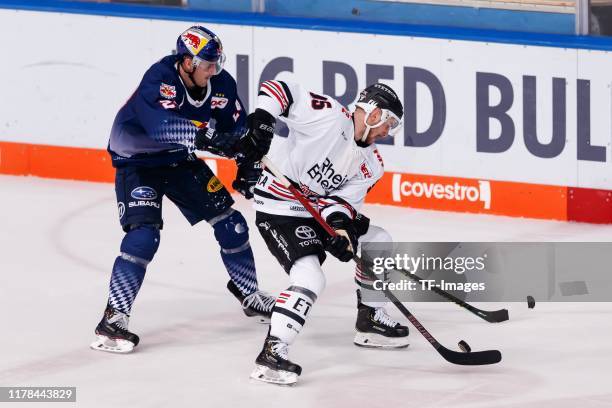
(157, 125)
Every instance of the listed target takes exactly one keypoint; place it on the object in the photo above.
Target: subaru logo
(144, 193)
(305, 232)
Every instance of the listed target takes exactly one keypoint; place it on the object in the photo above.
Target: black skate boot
(273, 365)
(112, 332)
(375, 328)
(257, 305)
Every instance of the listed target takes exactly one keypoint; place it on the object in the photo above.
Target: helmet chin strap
(366, 132)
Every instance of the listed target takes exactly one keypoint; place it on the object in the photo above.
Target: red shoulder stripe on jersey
(273, 93)
(281, 91)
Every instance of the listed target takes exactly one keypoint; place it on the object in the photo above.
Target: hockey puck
(464, 346)
(530, 302)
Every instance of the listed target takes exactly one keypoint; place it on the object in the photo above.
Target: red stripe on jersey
(350, 209)
(327, 204)
(280, 301)
(379, 157)
(280, 90)
(274, 93)
(280, 193)
(280, 187)
(285, 294)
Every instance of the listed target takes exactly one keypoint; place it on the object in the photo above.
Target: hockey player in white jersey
(331, 157)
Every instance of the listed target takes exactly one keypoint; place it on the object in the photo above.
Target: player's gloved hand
(222, 144)
(246, 178)
(256, 142)
(343, 245)
(339, 246)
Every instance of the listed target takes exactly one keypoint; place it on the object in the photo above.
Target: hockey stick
(455, 357)
(493, 316)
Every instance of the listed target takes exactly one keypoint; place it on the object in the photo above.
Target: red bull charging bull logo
(194, 41)
(167, 91)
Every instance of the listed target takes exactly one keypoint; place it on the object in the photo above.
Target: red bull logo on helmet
(194, 41)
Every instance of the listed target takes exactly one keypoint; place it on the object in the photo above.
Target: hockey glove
(246, 178)
(343, 245)
(222, 144)
(256, 142)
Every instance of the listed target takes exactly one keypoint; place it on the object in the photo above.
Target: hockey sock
(369, 297)
(232, 233)
(125, 283)
(290, 312)
(378, 236)
(137, 250)
(293, 305)
(241, 268)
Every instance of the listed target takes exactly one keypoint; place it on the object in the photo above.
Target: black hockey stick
(455, 357)
(493, 316)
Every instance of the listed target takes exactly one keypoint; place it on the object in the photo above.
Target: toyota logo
(305, 232)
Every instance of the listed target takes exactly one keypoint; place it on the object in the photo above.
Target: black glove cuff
(262, 123)
(263, 116)
(339, 220)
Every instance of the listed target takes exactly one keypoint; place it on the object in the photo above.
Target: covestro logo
(465, 191)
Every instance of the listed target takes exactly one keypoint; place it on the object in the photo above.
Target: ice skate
(257, 305)
(112, 333)
(273, 365)
(376, 329)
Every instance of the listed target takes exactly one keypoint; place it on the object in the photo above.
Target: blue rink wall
(407, 13)
(498, 26)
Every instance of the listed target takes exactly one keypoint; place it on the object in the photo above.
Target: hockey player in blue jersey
(152, 144)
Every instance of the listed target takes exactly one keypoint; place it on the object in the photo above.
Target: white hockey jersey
(320, 154)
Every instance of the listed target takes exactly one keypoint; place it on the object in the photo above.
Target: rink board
(397, 189)
(528, 125)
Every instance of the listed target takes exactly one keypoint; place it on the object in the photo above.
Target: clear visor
(392, 120)
(387, 117)
(218, 65)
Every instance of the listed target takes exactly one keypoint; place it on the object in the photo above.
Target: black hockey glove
(256, 142)
(222, 144)
(246, 178)
(343, 245)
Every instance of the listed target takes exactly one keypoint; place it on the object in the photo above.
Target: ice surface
(59, 240)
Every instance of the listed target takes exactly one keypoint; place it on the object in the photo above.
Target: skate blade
(262, 320)
(104, 343)
(278, 377)
(258, 318)
(373, 340)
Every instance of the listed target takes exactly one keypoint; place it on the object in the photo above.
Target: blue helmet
(202, 45)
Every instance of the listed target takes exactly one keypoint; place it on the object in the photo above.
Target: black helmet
(383, 97)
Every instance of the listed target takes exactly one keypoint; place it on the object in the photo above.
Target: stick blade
(496, 316)
(485, 357)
